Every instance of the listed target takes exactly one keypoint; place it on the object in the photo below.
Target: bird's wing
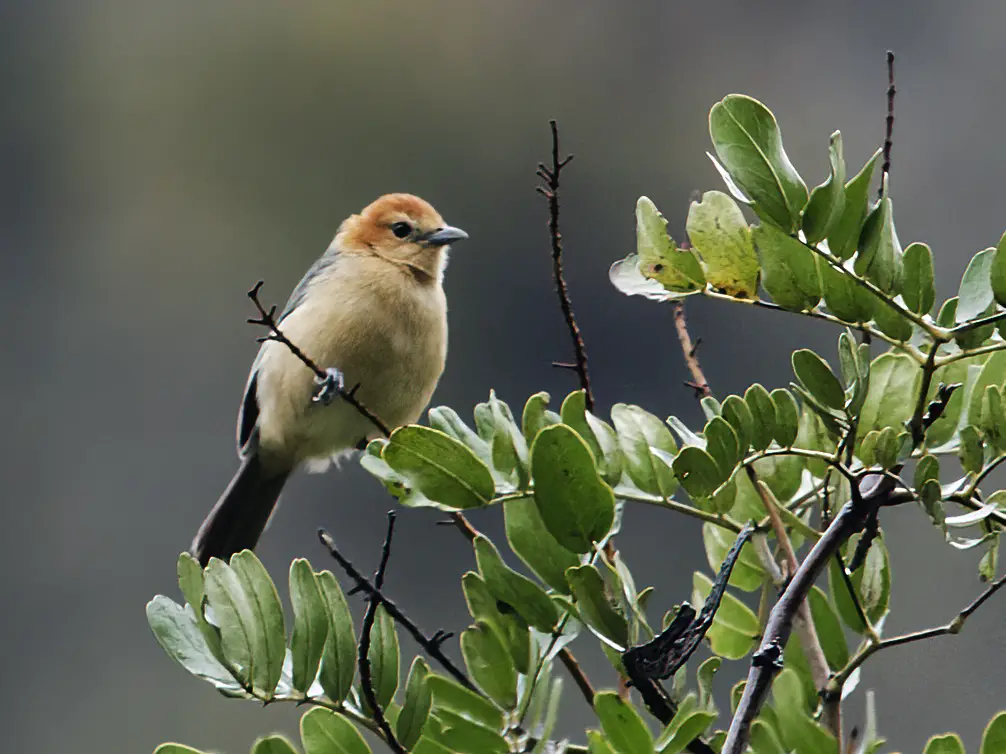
(248, 414)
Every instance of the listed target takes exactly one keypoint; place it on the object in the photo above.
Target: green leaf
(879, 259)
(177, 631)
(594, 607)
(687, 724)
(648, 447)
(975, 293)
(844, 234)
(948, 743)
(600, 438)
(489, 664)
(762, 409)
(747, 573)
(338, 661)
(535, 417)
(829, 629)
(764, 739)
(787, 414)
(596, 743)
(517, 591)
(816, 376)
(512, 629)
(249, 615)
(699, 473)
(575, 504)
(459, 734)
(994, 738)
(844, 298)
(891, 321)
(790, 272)
(972, 452)
(722, 445)
(310, 624)
(992, 373)
(438, 469)
(451, 695)
(384, 656)
(735, 628)
(872, 583)
(190, 581)
(998, 273)
(827, 200)
(718, 231)
(893, 393)
(704, 682)
(747, 141)
(325, 732)
(532, 542)
(274, 744)
(543, 731)
(416, 709)
(623, 727)
(988, 566)
(919, 288)
(736, 411)
(176, 749)
(446, 420)
(660, 258)
(799, 730)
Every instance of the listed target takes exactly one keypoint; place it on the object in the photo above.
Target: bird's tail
(240, 515)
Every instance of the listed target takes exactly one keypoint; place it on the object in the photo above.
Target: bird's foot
(332, 385)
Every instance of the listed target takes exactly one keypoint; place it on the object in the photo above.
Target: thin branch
(998, 345)
(717, 519)
(862, 327)
(916, 424)
(812, 649)
(809, 640)
(579, 677)
(363, 656)
(550, 190)
(885, 170)
(430, 645)
(699, 382)
(767, 660)
(329, 381)
(952, 628)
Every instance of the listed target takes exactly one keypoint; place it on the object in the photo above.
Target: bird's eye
(401, 230)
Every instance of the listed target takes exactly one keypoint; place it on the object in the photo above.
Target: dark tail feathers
(241, 514)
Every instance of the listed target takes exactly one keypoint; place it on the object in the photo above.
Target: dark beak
(444, 236)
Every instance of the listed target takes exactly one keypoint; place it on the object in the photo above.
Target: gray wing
(248, 412)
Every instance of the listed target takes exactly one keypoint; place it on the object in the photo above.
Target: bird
(373, 313)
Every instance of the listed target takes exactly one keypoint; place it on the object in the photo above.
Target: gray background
(158, 158)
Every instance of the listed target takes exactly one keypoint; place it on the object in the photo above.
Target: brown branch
(885, 169)
(363, 657)
(550, 190)
(805, 622)
(871, 493)
(329, 381)
(430, 644)
(690, 350)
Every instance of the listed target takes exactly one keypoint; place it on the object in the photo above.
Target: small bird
(372, 310)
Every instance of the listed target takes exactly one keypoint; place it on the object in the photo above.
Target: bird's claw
(330, 386)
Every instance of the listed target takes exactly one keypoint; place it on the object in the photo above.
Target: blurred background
(156, 159)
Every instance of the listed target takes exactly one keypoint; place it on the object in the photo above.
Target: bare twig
(885, 170)
(952, 628)
(430, 645)
(363, 657)
(550, 190)
(871, 493)
(328, 380)
(690, 350)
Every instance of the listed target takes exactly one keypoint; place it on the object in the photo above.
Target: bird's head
(404, 230)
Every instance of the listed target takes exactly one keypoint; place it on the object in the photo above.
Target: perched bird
(373, 308)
